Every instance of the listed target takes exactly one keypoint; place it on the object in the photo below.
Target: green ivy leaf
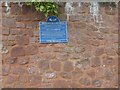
(41, 8)
(48, 8)
(46, 14)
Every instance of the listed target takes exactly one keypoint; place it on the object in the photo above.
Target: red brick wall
(89, 59)
(1, 41)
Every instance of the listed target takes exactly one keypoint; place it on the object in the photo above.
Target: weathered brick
(36, 33)
(108, 84)
(109, 51)
(104, 30)
(99, 72)
(36, 16)
(32, 25)
(109, 74)
(73, 18)
(46, 85)
(28, 32)
(11, 38)
(58, 49)
(114, 38)
(50, 75)
(46, 56)
(32, 70)
(9, 23)
(43, 64)
(62, 56)
(22, 40)
(74, 56)
(31, 49)
(34, 79)
(56, 65)
(84, 81)
(109, 61)
(95, 62)
(109, 11)
(91, 73)
(19, 31)
(60, 84)
(85, 40)
(114, 31)
(5, 31)
(70, 26)
(66, 75)
(11, 60)
(35, 57)
(99, 51)
(20, 25)
(17, 51)
(81, 25)
(91, 28)
(19, 85)
(5, 70)
(75, 85)
(63, 17)
(34, 39)
(97, 83)
(15, 9)
(23, 18)
(27, 10)
(4, 38)
(42, 45)
(45, 49)
(10, 79)
(83, 64)
(77, 73)
(9, 43)
(14, 31)
(29, 26)
(23, 79)
(99, 36)
(23, 60)
(68, 66)
(71, 50)
(94, 42)
(61, 7)
(18, 70)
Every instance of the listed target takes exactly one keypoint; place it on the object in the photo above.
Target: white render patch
(3, 50)
(94, 8)
(33, 70)
(70, 9)
(7, 8)
(50, 75)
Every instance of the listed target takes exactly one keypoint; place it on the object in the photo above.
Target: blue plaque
(53, 31)
(53, 19)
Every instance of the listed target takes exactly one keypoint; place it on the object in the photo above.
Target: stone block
(17, 51)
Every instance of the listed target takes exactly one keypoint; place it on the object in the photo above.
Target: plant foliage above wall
(48, 8)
